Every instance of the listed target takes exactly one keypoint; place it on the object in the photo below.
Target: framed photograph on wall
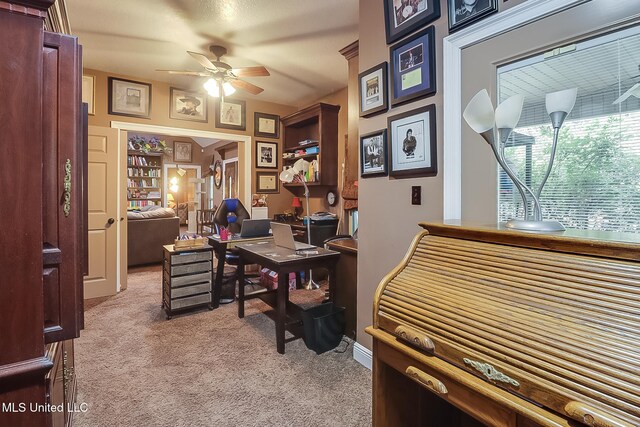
(412, 147)
(373, 154)
(402, 17)
(129, 98)
(266, 125)
(466, 12)
(267, 182)
(266, 155)
(413, 71)
(182, 152)
(89, 92)
(231, 114)
(188, 105)
(373, 90)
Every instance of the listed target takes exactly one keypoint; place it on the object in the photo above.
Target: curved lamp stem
(311, 284)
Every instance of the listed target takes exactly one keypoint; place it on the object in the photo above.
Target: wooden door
(103, 212)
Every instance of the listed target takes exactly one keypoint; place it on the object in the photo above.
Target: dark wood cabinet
(318, 127)
(61, 384)
(42, 248)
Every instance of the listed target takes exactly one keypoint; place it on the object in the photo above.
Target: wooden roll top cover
(550, 317)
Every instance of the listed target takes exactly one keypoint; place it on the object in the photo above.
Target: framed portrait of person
(465, 12)
(129, 98)
(413, 71)
(182, 152)
(231, 114)
(402, 17)
(266, 125)
(266, 155)
(412, 147)
(373, 90)
(187, 105)
(373, 154)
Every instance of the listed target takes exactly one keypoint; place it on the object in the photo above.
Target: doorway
(183, 192)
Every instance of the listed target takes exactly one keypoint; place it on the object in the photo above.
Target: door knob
(111, 221)
(121, 219)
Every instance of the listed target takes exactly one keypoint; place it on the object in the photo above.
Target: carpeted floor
(208, 368)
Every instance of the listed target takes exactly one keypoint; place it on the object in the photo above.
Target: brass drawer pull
(414, 337)
(592, 417)
(490, 372)
(427, 380)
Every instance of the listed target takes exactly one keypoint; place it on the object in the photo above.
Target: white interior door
(103, 212)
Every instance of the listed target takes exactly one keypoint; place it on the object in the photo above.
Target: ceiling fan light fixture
(228, 89)
(212, 88)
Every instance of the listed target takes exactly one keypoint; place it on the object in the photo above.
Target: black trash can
(323, 327)
(228, 291)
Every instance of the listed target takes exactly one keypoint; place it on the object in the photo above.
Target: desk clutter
(186, 241)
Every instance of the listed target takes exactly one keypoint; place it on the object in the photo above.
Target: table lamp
(296, 205)
(296, 173)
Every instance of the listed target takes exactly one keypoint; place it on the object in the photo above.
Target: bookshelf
(144, 179)
(312, 134)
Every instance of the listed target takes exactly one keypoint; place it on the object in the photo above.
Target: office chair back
(230, 215)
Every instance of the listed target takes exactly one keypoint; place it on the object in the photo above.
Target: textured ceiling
(297, 40)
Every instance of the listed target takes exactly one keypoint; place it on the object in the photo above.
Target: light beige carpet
(207, 368)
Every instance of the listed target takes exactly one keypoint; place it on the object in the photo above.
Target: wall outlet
(416, 195)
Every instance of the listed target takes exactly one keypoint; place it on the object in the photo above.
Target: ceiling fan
(222, 77)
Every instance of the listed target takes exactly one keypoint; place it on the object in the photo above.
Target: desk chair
(205, 221)
(230, 215)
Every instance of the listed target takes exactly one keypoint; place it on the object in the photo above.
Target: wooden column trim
(37, 366)
(350, 51)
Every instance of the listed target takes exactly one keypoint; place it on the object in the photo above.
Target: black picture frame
(372, 86)
(182, 152)
(231, 114)
(129, 98)
(417, 157)
(412, 64)
(217, 173)
(187, 105)
(260, 120)
(267, 182)
(374, 154)
(266, 155)
(408, 16)
(461, 16)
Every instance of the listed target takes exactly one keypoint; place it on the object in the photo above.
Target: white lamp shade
(287, 175)
(508, 112)
(301, 166)
(228, 89)
(563, 100)
(212, 88)
(479, 112)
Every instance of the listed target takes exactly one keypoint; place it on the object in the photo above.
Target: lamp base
(520, 224)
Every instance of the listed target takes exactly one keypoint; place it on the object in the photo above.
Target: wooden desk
(220, 249)
(284, 261)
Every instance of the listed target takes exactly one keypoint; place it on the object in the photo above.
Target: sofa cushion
(151, 212)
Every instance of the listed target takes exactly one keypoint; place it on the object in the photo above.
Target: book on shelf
(308, 141)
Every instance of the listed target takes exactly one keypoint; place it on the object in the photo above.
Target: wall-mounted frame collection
(407, 148)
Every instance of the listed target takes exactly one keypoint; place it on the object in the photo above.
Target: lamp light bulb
(212, 88)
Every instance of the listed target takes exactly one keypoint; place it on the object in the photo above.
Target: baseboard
(362, 355)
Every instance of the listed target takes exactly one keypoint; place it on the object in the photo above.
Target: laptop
(283, 236)
(255, 228)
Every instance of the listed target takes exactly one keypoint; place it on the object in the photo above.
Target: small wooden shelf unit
(318, 123)
(144, 179)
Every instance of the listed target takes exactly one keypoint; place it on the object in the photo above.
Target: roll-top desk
(482, 326)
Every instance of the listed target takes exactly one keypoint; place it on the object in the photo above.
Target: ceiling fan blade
(250, 72)
(203, 60)
(241, 84)
(187, 73)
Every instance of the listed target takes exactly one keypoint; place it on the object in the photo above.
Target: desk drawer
(191, 268)
(191, 279)
(190, 257)
(190, 301)
(191, 290)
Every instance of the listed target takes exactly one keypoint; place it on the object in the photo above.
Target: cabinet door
(62, 187)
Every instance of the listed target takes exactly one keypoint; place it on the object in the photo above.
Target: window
(595, 181)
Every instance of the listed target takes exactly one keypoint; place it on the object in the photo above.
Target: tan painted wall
(388, 221)
(160, 117)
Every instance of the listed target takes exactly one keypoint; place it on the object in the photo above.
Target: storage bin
(323, 327)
